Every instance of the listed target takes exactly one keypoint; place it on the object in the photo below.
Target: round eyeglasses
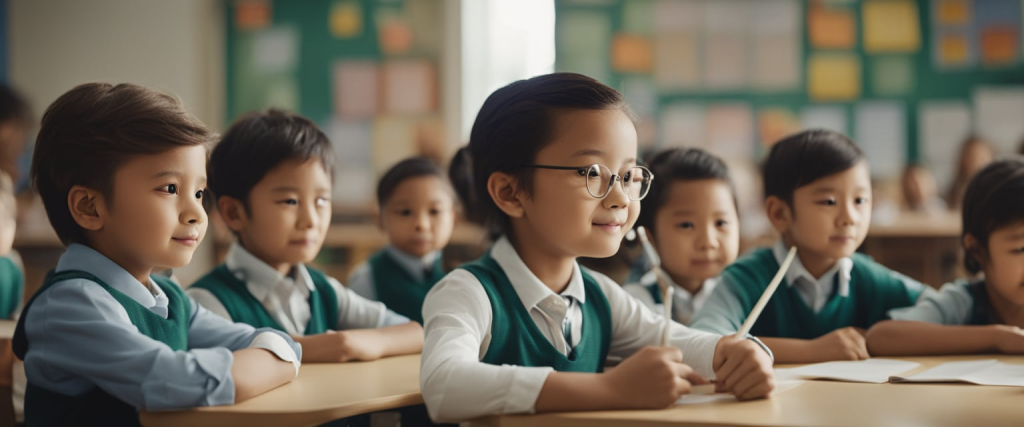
(636, 180)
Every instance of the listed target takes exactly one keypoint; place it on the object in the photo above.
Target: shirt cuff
(527, 383)
(762, 345)
(216, 363)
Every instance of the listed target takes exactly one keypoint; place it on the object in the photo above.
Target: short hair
(406, 169)
(675, 165)
(14, 107)
(805, 157)
(257, 143)
(513, 125)
(93, 129)
(994, 199)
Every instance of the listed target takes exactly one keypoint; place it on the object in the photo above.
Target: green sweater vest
(245, 308)
(398, 290)
(47, 408)
(12, 284)
(515, 338)
(874, 290)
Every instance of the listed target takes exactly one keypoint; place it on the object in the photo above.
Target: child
(691, 219)
(818, 197)
(416, 211)
(272, 177)
(524, 329)
(980, 316)
(121, 171)
(975, 153)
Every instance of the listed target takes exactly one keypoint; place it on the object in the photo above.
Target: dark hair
(13, 107)
(91, 130)
(994, 199)
(257, 143)
(409, 168)
(1021, 149)
(516, 122)
(678, 164)
(800, 159)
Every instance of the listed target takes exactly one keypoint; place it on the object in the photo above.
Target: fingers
(733, 361)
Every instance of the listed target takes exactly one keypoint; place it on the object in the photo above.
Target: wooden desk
(825, 403)
(924, 247)
(321, 393)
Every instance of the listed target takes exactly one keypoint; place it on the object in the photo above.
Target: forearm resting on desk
(910, 338)
(257, 371)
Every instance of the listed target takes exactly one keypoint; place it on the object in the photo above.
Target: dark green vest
(982, 312)
(245, 308)
(515, 338)
(874, 290)
(398, 289)
(97, 407)
(12, 284)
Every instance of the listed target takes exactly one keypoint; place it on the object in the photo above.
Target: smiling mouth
(188, 241)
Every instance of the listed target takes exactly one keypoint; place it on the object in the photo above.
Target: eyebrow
(162, 174)
(693, 212)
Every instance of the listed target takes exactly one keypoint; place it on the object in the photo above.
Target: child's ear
(779, 213)
(975, 254)
(233, 212)
(87, 207)
(504, 190)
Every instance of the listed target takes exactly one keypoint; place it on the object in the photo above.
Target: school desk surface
(824, 403)
(323, 392)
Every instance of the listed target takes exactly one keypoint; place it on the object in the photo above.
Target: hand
(1009, 339)
(841, 344)
(357, 344)
(743, 368)
(653, 378)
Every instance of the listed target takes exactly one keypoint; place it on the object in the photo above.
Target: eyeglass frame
(582, 170)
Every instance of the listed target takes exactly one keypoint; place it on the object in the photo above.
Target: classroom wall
(176, 46)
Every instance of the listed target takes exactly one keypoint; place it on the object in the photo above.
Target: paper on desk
(981, 372)
(864, 371)
(706, 393)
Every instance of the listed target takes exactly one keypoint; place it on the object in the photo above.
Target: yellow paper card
(891, 26)
(833, 77)
(346, 20)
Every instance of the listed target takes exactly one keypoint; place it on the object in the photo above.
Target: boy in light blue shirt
(121, 171)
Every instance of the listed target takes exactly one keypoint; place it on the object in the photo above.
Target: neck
(553, 268)
(814, 263)
(139, 272)
(280, 266)
(691, 284)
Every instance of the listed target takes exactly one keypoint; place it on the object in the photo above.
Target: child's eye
(860, 200)
(721, 223)
(292, 202)
(199, 194)
(828, 202)
(686, 225)
(170, 188)
(405, 212)
(1018, 251)
(435, 211)
(322, 201)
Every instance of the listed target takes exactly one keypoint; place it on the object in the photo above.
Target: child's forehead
(698, 194)
(180, 161)
(854, 178)
(422, 188)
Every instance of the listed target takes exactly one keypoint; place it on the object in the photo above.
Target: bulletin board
(907, 79)
(366, 71)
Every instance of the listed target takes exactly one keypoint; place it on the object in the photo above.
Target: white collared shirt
(815, 291)
(286, 298)
(457, 386)
(684, 303)
(361, 280)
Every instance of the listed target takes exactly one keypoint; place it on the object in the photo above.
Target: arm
(840, 344)
(257, 371)
(909, 338)
(362, 344)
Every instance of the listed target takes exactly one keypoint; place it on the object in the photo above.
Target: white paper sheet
(981, 372)
(875, 371)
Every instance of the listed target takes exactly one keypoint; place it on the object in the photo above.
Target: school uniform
(962, 302)
(684, 303)
(98, 346)
(399, 280)
(305, 302)
(494, 332)
(12, 286)
(857, 292)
